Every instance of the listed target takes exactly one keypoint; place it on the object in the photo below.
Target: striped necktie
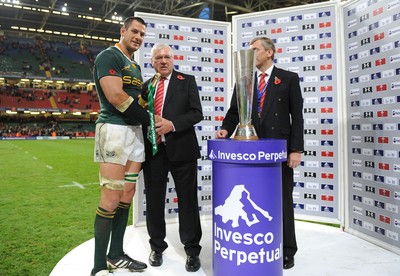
(158, 102)
(261, 89)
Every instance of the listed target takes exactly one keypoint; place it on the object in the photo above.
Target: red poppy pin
(112, 71)
(180, 77)
(277, 80)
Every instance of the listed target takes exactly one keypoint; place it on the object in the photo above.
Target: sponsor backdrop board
(372, 58)
(201, 48)
(305, 38)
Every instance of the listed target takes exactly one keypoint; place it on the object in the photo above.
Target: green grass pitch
(48, 196)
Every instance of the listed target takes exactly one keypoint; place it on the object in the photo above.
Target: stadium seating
(53, 59)
(40, 99)
(36, 57)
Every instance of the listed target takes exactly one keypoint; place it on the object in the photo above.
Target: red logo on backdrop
(383, 140)
(175, 200)
(178, 57)
(379, 36)
(219, 118)
(377, 11)
(178, 37)
(325, 45)
(384, 192)
(219, 79)
(326, 109)
(380, 62)
(384, 166)
(327, 175)
(219, 99)
(327, 153)
(381, 87)
(325, 24)
(327, 197)
(326, 131)
(327, 88)
(382, 113)
(276, 31)
(219, 60)
(326, 67)
(112, 72)
(218, 41)
(279, 50)
(384, 219)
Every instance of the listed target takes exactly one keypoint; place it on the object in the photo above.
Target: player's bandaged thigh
(112, 184)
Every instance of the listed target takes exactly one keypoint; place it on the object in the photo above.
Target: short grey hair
(160, 46)
(266, 42)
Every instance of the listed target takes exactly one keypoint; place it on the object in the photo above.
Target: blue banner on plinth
(247, 206)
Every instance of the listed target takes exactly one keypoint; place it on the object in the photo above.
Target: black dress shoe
(192, 263)
(288, 262)
(155, 258)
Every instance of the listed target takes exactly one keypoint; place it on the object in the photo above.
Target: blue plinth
(247, 206)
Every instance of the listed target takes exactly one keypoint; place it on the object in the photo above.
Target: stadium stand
(43, 58)
(30, 126)
(63, 70)
(43, 99)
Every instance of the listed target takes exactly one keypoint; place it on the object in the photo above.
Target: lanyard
(152, 128)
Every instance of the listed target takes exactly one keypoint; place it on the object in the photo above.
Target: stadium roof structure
(94, 19)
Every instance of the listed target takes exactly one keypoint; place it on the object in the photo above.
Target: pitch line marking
(79, 185)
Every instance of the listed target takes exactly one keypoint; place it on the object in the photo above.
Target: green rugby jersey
(112, 62)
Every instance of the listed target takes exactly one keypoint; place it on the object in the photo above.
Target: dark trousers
(185, 177)
(289, 235)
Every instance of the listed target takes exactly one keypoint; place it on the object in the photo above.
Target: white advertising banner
(306, 43)
(372, 64)
(201, 48)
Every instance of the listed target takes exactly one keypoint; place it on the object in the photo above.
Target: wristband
(124, 106)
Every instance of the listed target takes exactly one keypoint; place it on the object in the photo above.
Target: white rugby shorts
(118, 143)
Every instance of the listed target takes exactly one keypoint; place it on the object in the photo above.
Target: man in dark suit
(277, 113)
(178, 151)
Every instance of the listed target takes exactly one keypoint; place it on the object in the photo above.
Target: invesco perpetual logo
(232, 209)
(248, 156)
(245, 246)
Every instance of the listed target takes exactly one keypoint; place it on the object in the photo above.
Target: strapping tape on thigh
(111, 184)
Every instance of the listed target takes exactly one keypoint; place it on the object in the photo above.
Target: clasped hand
(163, 126)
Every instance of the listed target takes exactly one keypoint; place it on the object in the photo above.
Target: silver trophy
(244, 74)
